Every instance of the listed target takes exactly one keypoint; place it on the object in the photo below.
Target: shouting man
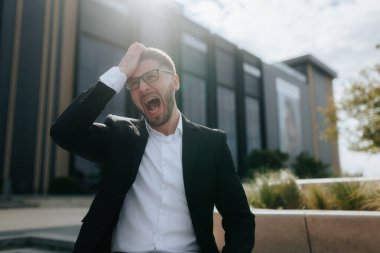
(163, 175)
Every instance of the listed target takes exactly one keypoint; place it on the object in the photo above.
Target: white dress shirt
(155, 216)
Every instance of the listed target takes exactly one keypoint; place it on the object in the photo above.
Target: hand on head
(130, 61)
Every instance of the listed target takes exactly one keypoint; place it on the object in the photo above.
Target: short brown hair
(160, 56)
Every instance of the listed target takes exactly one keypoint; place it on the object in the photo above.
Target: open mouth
(152, 104)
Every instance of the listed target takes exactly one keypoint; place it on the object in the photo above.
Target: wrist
(114, 78)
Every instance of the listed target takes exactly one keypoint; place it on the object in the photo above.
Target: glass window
(194, 42)
(252, 110)
(251, 79)
(96, 56)
(289, 117)
(225, 68)
(227, 118)
(251, 84)
(194, 55)
(194, 98)
(252, 70)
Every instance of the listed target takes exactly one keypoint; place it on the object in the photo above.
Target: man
(162, 176)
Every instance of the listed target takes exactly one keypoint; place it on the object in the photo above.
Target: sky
(341, 33)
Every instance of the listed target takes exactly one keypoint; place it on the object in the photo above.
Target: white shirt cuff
(114, 78)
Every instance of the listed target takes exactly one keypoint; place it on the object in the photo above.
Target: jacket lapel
(141, 134)
(189, 154)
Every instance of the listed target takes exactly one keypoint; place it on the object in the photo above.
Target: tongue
(153, 105)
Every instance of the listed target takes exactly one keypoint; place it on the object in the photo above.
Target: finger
(136, 47)
(129, 62)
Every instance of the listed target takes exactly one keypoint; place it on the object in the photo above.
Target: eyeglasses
(148, 77)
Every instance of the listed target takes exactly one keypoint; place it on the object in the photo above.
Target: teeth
(148, 99)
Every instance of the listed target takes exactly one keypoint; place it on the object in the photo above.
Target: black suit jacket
(209, 175)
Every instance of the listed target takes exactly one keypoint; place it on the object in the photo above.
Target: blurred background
(272, 74)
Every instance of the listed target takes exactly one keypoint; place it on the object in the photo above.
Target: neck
(169, 127)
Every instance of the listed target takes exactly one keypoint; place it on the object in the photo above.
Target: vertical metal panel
(42, 98)
(322, 102)
(50, 94)
(270, 107)
(334, 143)
(313, 111)
(12, 98)
(240, 112)
(66, 83)
(26, 109)
(7, 35)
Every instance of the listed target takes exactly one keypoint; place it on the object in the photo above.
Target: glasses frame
(128, 87)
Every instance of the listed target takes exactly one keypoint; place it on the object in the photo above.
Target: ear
(176, 82)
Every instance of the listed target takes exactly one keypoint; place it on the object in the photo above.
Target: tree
(360, 105)
(361, 102)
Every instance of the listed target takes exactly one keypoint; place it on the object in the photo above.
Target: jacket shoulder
(207, 131)
(119, 119)
(116, 120)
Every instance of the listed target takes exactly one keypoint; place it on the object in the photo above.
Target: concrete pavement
(41, 224)
(37, 218)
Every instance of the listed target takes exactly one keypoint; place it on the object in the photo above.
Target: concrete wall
(309, 231)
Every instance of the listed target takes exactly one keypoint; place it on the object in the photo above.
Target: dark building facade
(51, 50)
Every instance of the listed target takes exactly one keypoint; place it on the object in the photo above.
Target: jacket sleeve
(75, 130)
(237, 220)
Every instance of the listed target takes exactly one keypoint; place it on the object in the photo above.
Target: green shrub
(263, 160)
(344, 196)
(305, 166)
(372, 202)
(65, 186)
(275, 190)
(356, 196)
(347, 195)
(281, 196)
(318, 197)
(278, 190)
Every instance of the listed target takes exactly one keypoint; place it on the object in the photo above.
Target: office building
(51, 50)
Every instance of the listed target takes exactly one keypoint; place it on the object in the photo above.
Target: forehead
(145, 66)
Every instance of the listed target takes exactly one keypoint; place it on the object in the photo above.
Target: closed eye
(150, 76)
(133, 82)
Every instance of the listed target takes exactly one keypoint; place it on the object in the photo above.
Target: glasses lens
(133, 83)
(150, 76)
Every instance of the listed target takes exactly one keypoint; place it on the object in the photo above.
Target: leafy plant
(360, 104)
(263, 160)
(305, 166)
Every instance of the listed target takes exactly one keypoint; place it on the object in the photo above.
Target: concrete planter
(306, 231)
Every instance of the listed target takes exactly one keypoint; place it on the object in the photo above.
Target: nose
(143, 85)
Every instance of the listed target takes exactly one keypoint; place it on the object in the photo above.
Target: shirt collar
(154, 133)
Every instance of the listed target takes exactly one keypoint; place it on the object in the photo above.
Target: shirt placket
(164, 189)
